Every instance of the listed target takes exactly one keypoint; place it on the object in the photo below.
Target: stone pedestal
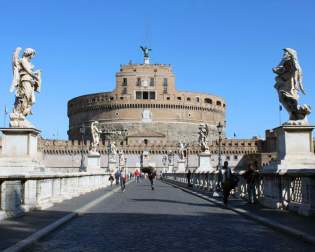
(181, 166)
(295, 164)
(204, 163)
(112, 165)
(19, 151)
(93, 162)
(295, 149)
(170, 169)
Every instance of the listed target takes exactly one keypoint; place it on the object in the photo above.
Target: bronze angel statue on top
(25, 83)
(289, 84)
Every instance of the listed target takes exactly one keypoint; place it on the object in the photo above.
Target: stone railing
(22, 193)
(295, 192)
(209, 182)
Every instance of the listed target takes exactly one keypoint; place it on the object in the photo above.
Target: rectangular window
(152, 95)
(165, 82)
(125, 83)
(138, 81)
(124, 91)
(152, 82)
(138, 95)
(145, 95)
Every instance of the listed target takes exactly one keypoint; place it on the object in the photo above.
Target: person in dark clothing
(251, 176)
(111, 180)
(226, 182)
(151, 177)
(117, 176)
(188, 177)
(122, 180)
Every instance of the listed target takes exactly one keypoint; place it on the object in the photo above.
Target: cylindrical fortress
(146, 103)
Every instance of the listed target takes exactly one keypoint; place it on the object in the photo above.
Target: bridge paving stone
(166, 219)
(15, 229)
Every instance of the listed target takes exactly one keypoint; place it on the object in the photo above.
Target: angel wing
(15, 69)
(38, 83)
(298, 80)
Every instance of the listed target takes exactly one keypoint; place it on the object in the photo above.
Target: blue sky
(222, 47)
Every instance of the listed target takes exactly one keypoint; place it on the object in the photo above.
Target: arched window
(208, 101)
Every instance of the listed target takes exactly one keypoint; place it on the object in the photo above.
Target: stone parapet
(22, 193)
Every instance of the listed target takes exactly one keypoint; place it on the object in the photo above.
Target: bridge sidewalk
(283, 220)
(14, 230)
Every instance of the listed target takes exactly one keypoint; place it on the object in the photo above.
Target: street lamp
(82, 132)
(220, 130)
(125, 165)
(187, 157)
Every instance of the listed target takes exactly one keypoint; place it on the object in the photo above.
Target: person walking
(226, 175)
(251, 176)
(151, 177)
(117, 176)
(122, 180)
(111, 180)
(137, 176)
(188, 178)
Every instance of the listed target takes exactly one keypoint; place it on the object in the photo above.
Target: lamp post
(125, 164)
(187, 156)
(220, 130)
(82, 132)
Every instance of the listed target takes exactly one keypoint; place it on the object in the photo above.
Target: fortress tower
(146, 103)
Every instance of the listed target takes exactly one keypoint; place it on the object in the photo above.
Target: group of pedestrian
(120, 178)
(227, 181)
(230, 181)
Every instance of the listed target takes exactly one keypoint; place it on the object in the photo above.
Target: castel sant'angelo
(152, 118)
(146, 103)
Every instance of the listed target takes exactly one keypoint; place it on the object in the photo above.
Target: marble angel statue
(181, 150)
(95, 131)
(25, 83)
(288, 85)
(203, 137)
(112, 149)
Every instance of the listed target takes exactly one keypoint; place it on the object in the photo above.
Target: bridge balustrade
(21, 193)
(294, 192)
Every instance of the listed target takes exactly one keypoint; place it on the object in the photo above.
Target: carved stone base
(204, 163)
(170, 169)
(181, 166)
(19, 151)
(93, 162)
(294, 149)
(112, 165)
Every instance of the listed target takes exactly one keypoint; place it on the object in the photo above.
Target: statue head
(290, 52)
(29, 52)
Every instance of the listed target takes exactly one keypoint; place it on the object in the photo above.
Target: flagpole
(5, 116)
